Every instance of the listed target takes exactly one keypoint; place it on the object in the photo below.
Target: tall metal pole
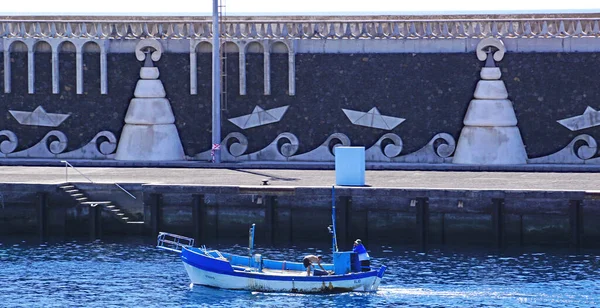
(216, 89)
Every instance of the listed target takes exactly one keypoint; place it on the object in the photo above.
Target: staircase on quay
(80, 196)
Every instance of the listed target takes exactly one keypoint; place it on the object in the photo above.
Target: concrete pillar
(267, 67)
(79, 69)
(242, 70)
(193, 69)
(270, 219)
(155, 213)
(42, 213)
(498, 222)
(198, 214)
(291, 72)
(55, 74)
(422, 208)
(103, 71)
(575, 222)
(30, 71)
(95, 222)
(7, 67)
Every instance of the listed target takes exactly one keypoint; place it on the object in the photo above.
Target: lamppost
(216, 86)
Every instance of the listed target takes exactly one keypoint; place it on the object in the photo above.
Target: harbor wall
(284, 216)
(294, 88)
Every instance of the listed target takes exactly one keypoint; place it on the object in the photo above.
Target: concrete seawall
(289, 210)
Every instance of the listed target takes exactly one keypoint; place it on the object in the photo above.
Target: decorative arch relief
(54, 143)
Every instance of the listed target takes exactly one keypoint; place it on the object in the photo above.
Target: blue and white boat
(255, 273)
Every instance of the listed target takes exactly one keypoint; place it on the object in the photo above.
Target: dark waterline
(133, 273)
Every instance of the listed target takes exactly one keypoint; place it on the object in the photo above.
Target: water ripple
(134, 273)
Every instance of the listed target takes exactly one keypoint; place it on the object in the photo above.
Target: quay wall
(288, 215)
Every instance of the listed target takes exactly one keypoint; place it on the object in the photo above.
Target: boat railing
(173, 242)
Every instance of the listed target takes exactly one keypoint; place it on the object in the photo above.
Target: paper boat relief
(373, 119)
(259, 117)
(589, 118)
(39, 117)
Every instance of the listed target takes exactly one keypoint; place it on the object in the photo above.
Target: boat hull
(254, 282)
(217, 273)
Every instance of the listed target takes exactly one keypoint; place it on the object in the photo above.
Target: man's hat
(358, 241)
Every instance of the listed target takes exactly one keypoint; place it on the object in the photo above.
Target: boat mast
(334, 247)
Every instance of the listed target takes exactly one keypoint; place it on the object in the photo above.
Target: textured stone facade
(431, 91)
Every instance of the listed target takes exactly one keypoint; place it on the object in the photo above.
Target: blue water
(132, 273)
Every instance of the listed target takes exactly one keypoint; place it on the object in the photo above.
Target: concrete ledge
(30, 162)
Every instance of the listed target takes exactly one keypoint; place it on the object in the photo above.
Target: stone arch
(16, 65)
(279, 68)
(254, 47)
(204, 47)
(18, 46)
(90, 47)
(279, 47)
(42, 67)
(42, 47)
(230, 47)
(91, 70)
(67, 70)
(66, 47)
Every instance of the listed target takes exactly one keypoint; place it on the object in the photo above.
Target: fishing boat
(255, 273)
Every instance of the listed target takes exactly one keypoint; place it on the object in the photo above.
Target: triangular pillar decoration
(149, 132)
(490, 135)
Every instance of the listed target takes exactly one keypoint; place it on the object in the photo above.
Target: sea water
(133, 273)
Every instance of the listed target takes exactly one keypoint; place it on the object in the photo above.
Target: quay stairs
(81, 198)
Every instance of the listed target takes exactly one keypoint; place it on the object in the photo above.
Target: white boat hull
(270, 283)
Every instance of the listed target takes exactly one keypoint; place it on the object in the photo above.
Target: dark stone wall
(431, 91)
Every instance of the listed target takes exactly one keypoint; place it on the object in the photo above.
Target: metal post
(216, 90)
(334, 247)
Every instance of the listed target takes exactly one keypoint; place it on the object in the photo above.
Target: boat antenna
(334, 246)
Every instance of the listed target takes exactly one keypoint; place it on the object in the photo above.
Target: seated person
(363, 255)
(308, 263)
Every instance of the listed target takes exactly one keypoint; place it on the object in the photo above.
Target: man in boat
(308, 263)
(363, 255)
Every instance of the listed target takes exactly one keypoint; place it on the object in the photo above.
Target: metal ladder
(81, 198)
